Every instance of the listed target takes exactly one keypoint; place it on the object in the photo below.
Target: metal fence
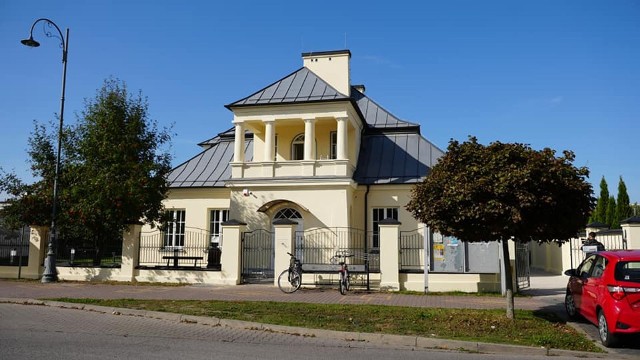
(319, 246)
(106, 256)
(14, 248)
(193, 253)
(411, 251)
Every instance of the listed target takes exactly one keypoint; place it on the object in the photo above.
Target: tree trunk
(508, 277)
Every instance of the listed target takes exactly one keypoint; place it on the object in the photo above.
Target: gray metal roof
(397, 158)
(300, 86)
(375, 115)
(211, 167)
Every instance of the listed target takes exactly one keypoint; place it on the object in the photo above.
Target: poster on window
(448, 254)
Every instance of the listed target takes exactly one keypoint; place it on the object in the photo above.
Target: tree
(623, 205)
(504, 191)
(119, 171)
(611, 219)
(113, 172)
(601, 207)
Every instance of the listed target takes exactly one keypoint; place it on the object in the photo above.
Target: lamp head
(30, 42)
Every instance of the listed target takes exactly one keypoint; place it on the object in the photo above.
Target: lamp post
(50, 274)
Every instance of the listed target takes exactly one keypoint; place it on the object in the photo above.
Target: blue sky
(558, 74)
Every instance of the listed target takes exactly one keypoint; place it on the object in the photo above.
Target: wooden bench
(329, 268)
(176, 258)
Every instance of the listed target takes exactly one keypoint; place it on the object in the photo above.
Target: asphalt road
(39, 332)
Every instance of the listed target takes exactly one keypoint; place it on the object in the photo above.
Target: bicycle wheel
(343, 284)
(347, 281)
(289, 282)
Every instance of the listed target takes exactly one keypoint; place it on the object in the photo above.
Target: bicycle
(290, 279)
(345, 277)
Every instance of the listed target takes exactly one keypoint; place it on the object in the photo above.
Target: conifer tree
(601, 205)
(623, 208)
(611, 219)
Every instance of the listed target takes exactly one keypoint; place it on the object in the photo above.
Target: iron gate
(523, 269)
(257, 256)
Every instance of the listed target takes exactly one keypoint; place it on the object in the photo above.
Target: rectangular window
(380, 214)
(174, 234)
(333, 145)
(217, 217)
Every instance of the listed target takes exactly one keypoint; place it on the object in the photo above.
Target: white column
(231, 257)
(342, 139)
(238, 155)
(269, 139)
(389, 253)
(284, 232)
(309, 139)
(130, 252)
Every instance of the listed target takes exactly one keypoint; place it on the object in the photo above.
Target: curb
(354, 339)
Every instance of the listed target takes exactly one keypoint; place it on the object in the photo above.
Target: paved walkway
(543, 297)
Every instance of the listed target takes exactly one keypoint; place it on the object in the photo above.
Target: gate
(523, 269)
(611, 239)
(257, 256)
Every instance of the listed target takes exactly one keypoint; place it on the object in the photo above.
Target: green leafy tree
(623, 204)
(119, 171)
(600, 214)
(611, 216)
(31, 204)
(113, 172)
(503, 192)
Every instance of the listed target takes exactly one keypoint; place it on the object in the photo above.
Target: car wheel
(570, 306)
(607, 339)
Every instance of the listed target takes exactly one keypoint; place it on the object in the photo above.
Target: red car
(605, 289)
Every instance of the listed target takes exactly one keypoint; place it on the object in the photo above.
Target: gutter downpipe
(366, 227)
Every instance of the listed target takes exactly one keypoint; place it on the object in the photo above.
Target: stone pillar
(238, 146)
(309, 139)
(631, 232)
(130, 252)
(389, 254)
(269, 140)
(38, 241)
(342, 139)
(231, 246)
(284, 237)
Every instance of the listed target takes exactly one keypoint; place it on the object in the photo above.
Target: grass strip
(531, 328)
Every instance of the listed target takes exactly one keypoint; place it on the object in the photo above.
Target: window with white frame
(380, 214)
(174, 233)
(333, 145)
(216, 218)
(297, 148)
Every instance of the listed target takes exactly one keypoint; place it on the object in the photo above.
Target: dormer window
(297, 147)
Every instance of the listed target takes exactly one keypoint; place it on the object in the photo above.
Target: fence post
(631, 232)
(389, 254)
(284, 234)
(231, 246)
(38, 238)
(130, 252)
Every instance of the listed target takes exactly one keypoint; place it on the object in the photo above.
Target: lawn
(530, 328)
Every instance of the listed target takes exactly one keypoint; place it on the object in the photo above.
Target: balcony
(296, 168)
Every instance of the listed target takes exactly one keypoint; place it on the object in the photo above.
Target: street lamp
(50, 274)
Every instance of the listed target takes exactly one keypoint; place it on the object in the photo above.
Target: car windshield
(628, 271)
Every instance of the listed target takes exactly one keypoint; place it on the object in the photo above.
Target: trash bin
(213, 259)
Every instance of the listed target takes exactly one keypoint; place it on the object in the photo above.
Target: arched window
(297, 147)
(287, 213)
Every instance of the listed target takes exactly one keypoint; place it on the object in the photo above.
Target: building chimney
(330, 66)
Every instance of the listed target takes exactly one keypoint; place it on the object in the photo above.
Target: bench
(176, 258)
(329, 268)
